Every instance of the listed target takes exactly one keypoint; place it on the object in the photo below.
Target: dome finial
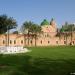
(52, 19)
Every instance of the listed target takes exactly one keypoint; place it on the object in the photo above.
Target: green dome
(62, 30)
(45, 22)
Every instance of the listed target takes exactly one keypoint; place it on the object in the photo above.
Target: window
(31, 41)
(47, 35)
(48, 42)
(10, 42)
(73, 42)
(41, 41)
(3, 41)
(64, 42)
(14, 41)
(21, 41)
(56, 42)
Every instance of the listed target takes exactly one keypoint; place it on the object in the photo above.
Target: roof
(44, 22)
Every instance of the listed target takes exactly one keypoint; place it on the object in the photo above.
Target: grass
(58, 60)
(60, 52)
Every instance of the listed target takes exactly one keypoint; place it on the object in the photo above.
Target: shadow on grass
(26, 65)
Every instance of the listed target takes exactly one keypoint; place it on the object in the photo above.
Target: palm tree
(30, 28)
(68, 30)
(6, 24)
(35, 29)
(71, 28)
(26, 28)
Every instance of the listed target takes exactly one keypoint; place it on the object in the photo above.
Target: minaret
(52, 23)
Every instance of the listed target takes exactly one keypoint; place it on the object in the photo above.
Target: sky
(37, 10)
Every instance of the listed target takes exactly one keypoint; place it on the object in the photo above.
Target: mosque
(48, 37)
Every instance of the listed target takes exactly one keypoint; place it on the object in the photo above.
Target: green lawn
(40, 61)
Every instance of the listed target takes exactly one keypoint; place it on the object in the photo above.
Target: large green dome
(45, 22)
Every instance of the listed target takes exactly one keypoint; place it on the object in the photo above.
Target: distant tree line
(66, 30)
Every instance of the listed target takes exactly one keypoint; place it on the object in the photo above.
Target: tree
(68, 29)
(26, 28)
(7, 23)
(30, 28)
(71, 29)
(35, 29)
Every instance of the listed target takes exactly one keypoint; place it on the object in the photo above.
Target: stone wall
(41, 40)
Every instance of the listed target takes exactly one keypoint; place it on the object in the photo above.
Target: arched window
(10, 41)
(56, 42)
(31, 41)
(64, 42)
(48, 42)
(47, 35)
(73, 42)
(14, 41)
(3, 41)
(41, 41)
(21, 41)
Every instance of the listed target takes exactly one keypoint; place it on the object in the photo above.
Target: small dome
(45, 22)
(62, 30)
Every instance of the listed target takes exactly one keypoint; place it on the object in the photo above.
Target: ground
(58, 60)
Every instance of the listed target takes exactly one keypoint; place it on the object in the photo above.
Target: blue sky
(37, 10)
